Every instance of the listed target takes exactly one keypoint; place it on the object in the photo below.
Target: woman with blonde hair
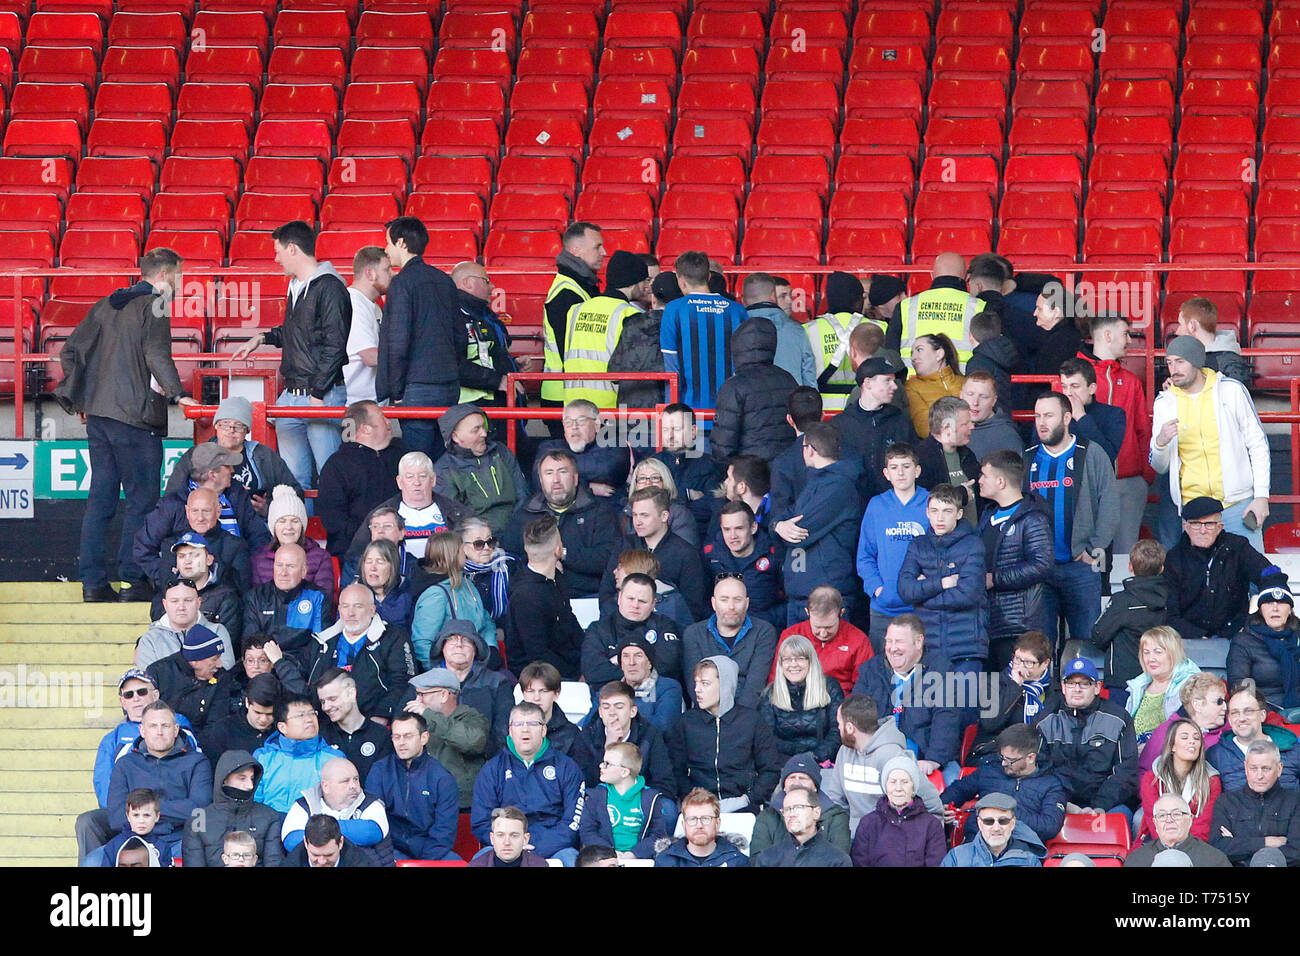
(1153, 694)
(653, 473)
(450, 595)
(1182, 770)
(801, 702)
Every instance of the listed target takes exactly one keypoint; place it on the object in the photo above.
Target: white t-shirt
(357, 375)
(421, 525)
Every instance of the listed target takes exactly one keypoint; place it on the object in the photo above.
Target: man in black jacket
(376, 653)
(750, 414)
(249, 728)
(361, 474)
(787, 472)
(118, 373)
(1210, 572)
(1261, 814)
(233, 808)
(872, 424)
(603, 466)
(588, 525)
(679, 561)
(313, 343)
(1017, 537)
(539, 623)
(362, 740)
(287, 608)
(806, 845)
(198, 514)
(634, 618)
(695, 473)
(193, 681)
(418, 356)
(1089, 743)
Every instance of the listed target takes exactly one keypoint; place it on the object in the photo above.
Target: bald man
(199, 511)
(946, 307)
(378, 655)
(288, 608)
(362, 818)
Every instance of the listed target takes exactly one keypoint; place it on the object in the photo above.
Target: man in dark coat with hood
(750, 414)
(233, 808)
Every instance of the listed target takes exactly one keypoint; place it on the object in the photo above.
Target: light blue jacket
(290, 767)
(1138, 686)
(1025, 849)
(793, 350)
(441, 603)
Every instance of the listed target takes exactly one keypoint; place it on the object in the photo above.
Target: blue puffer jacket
(549, 790)
(934, 730)
(832, 513)
(658, 812)
(289, 767)
(1024, 849)
(183, 777)
(1019, 554)
(956, 619)
(1040, 797)
(423, 804)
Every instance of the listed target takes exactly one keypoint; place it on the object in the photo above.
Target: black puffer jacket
(750, 417)
(870, 434)
(1209, 588)
(588, 528)
(638, 351)
(799, 731)
(1142, 605)
(1251, 655)
(382, 666)
(1251, 817)
(1018, 552)
(603, 636)
(205, 837)
(314, 337)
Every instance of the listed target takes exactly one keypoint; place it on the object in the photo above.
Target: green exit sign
(63, 467)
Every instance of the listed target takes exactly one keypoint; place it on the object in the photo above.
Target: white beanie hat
(285, 502)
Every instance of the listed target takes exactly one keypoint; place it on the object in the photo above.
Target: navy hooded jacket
(549, 790)
(832, 513)
(423, 804)
(956, 619)
(935, 730)
(182, 777)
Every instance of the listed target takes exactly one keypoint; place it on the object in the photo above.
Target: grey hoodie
(995, 433)
(857, 780)
(728, 677)
(163, 640)
(1224, 356)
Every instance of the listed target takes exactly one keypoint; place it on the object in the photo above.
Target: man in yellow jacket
(594, 327)
(946, 307)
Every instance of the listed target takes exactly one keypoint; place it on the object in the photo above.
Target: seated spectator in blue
(1141, 605)
(449, 596)
(540, 684)
(380, 571)
(510, 841)
(539, 624)
(805, 843)
(658, 698)
(906, 681)
(219, 589)
(292, 757)
(232, 810)
(1088, 742)
(900, 831)
(742, 547)
(135, 691)
(696, 332)
(324, 845)
(693, 471)
(1247, 709)
(546, 785)
(1025, 690)
(679, 560)
(748, 641)
(1002, 839)
(634, 615)
(892, 519)
(338, 794)
(943, 579)
(1017, 538)
(618, 721)
(460, 649)
(1096, 421)
(702, 845)
(161, 761)
(419, 795)
(376, 653)
(822, 528)
(623, 811)
(143, 811)
(603, 465)
(486, 564)
(287, 607)
(800, 771)
(1267, 651)
(801, 703)
(1040, 797)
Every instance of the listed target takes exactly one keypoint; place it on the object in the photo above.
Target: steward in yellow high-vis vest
(574, 282)
(595, 326)
(828, 335)
(944, 308)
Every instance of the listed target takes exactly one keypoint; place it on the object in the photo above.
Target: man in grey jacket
(867, 744)
(119, 375)
(181, 614)
(994, 430)
(793, 351)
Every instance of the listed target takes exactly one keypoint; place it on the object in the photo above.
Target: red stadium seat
(306, 28)
(800, 100)
(1139, 60)
(622, 174)
(302, 101)
(542, 137)
(458, 99)
(883, 97)
(250, 249)
(47, 138)
(1220, 97)
(521, 250)
(353, 212)
(474, 65)
(341, 245)
(1044, 172)
(722, 63)
(148, 29)
(1136, 98)
(547, 99)
(514, 211)
(810, 24)
(1109, 829)
(56, 64)
(1106, 243)
(622, 98)
(960, 173)
(714, 28)
(706, 172)
(700, 209)
(370, 137)
(393, 64)
(886, 61)
(615, 210)
(23, 175)
(786, 172)
(1218, 23)
(447, 210)
(930, 240)
(797, 137)
(381, 28)
(211, 138)
(1021, 207)
(478, 30)
(880, 137)
(245, 27)
(65, 30)
(1129, 171)
(461, 137)
(123, 137)
(646, 63)
(1069, 60)
(958, 207)
(133, 101)
(266, 211)
(964, 137)
(885, 26)
(1033, 135)
(99, 249)
(285, 174)
(879, 248)
(566, 63)
(718, 243)
(1225, 170)
(226, 64)
(1218, 60)
(1144, 205)
(1051, 98)
(294, 64)
(709, 99)
(190, 211)
(869, 173)
(853, 208)
(49, 101)
(961, 99)
(574, 28)
(775, 207)
(524, 173)
(199, 249)
(615, 136)
(200, 174)
(714, 137)
(964, 61)
(369, 176)
(806, 64)
(781, 248)
(1117, 133)
(216, 101)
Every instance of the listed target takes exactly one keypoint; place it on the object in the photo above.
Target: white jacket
(1243, 448)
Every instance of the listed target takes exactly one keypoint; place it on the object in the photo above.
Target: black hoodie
(750, 406)
(204, 837)
(1142, 605)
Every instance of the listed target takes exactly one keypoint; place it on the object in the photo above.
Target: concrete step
(16, 725)
(53, 781)
(124, 633)
(50, 862)
(44, 803)
(58, 850)
(44, 756)
(85, 658)
(45, 592)
(56, 613)
(39, 825)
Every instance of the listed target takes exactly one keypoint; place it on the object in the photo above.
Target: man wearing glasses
(1210, 572)
(807, 845)
(1040, 797)
(545, 784)
(603, 465)
(1173, 820)
(292, 757)
(1001, 841)
(702, 845)
(1025, 690)
(1247, 709)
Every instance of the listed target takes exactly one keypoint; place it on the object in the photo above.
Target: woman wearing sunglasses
(486, 565)
(1205, 702)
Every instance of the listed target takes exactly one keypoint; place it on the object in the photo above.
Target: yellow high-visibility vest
(938, 311)
(829, 336)
(590, 336)
(552, 359)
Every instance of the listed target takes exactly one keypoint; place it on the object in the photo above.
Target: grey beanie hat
(1189, 349)
(236, 408)
(1171, 858)
(901, 762)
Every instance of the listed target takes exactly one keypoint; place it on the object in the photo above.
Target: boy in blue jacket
(889, 524)
(623, 812)
(143, 811)
(943, 579)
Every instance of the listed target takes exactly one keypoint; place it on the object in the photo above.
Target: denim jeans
(303, 440)
(1072, 589)
(127, 459)
(1232, 523)
(423, 434)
